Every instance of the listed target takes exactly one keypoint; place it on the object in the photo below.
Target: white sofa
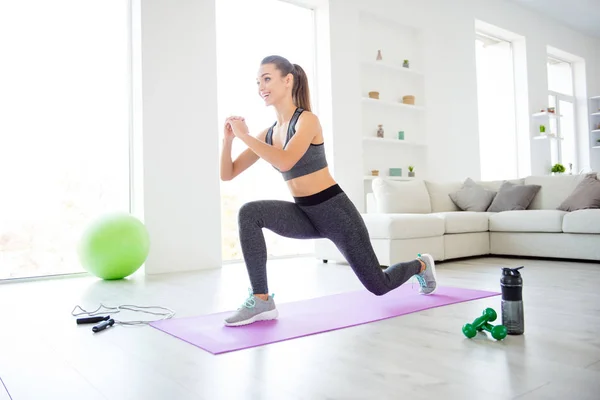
(426, 220)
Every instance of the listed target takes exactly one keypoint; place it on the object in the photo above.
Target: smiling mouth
(265, 96)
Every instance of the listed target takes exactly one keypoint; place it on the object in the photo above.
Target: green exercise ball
(114, 246)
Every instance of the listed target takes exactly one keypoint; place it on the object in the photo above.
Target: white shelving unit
(389, 178)
(392, 80)
(382, 65)
(545, 118)
(391, 141)
(545, 114)
(388, 103)
(549, 137)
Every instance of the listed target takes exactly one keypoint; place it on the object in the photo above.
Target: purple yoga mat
(308, 317)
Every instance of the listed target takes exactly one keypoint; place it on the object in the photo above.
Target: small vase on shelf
(380, 131)
(379, 57)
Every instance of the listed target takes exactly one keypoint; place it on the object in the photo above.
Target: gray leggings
(329, 214)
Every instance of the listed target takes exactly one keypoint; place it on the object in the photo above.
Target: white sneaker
(427, 278)
(254, 309)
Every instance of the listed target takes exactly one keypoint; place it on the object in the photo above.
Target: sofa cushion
(401, 196)
(403, 226)
(554, 190)
(472, 196)
(582, 221)
(465, 221)
(439, 195)
(527, 221)
(586, 195)
(513, 197)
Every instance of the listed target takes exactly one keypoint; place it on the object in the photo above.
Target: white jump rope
(106, 321)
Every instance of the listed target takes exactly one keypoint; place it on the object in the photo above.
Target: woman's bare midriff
(310, 184)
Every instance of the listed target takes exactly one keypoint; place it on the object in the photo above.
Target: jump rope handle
(102, 326)
(92, 320)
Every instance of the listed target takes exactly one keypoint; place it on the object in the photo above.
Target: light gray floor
(44, 355)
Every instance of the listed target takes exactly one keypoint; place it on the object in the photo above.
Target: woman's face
(272, 87)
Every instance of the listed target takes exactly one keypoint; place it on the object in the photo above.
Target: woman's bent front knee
(251, 211)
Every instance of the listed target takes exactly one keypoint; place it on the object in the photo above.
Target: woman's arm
(307, 128)
(230, 169)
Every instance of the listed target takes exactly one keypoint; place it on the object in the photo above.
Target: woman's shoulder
(308, 117)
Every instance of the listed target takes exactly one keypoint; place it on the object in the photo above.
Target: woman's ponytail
(300, 91)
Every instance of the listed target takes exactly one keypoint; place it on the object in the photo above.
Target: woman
(294, 146)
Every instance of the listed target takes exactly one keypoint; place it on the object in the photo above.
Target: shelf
(595, 98)
(391, 141)
(388, 103)
(596, 113)
(392, 67)
(596, 147)
(541, 137)
(390, 178)
(596, 131)
(545, 114)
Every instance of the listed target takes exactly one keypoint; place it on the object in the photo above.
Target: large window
(257, 29)
(560, 96)
(64, 130)
(496, 106)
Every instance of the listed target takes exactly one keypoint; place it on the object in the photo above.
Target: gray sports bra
(314, 158)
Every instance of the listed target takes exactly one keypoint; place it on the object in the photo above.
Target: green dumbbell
(481, 323)
(498, 332)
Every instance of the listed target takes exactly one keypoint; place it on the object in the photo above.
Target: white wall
(450, 77)
(180, 135)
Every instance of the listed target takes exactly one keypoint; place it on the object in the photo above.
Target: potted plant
(411, 172)
(542, 128)
(558, 169)
(405, 64)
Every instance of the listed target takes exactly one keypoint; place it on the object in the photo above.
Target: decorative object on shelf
(380, 131)
(598, 125)
(375, 172)
(558, 169)
(570, 168)
(374, 95)
(542, 128)
(400, 135)
(551, 109)
(406, 64)
(411, 171)
(395, 171)
(409, 99)
(379, 57)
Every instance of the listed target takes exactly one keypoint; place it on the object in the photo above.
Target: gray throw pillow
(513, 197)
(585, 195)
(472, 197)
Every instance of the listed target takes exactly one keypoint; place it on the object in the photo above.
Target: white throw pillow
(396, 197)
